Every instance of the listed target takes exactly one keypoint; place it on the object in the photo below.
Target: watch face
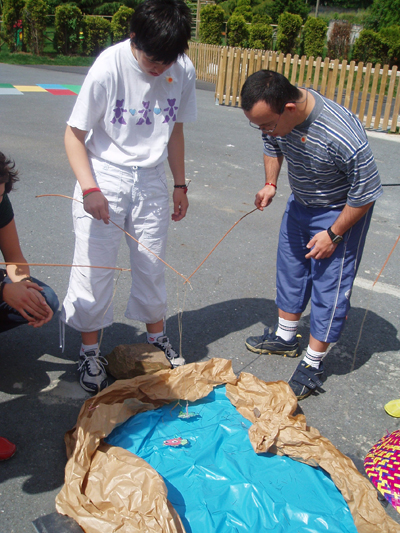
(337, 239)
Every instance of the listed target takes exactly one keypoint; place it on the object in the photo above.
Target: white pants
(138, 202)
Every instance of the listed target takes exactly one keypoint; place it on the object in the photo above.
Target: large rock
(131, 360)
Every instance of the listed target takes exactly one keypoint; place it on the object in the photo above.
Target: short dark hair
(270, 87)
(7, 173)
(162, 29)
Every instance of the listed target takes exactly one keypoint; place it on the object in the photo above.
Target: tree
(211, 20)
(287, 38)
(296, 7)
(383, 13)
(339, 42)
(314, 33)
(96, 32)
(12, 15)
(238, 33)
(34, 24)
(261, 36)
(67, 25)
(120, 23)
(368, 47)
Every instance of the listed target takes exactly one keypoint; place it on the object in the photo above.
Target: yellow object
(393, 408)
(30, 88)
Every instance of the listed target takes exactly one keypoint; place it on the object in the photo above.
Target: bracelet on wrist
(183, 187)
(89, 191)
(27, 278)
(272, 184)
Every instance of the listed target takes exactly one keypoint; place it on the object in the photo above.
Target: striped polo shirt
(330, 162)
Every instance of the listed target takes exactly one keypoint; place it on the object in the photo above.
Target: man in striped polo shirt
(334, 182)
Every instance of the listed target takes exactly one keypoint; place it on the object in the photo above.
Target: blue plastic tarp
(218, 484)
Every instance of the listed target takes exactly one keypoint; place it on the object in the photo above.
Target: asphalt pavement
(231, 296)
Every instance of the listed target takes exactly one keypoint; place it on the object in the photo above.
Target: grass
(20, 58)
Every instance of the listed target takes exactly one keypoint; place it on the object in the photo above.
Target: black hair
(162, 29)
(270, 87)
(7, 173)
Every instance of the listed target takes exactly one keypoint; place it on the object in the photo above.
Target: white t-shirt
(129, 114)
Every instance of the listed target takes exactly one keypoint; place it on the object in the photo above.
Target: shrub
(12, 15)
(238, 33)
(211, 20)
(34, 23)
(287, 38)
(391, 40)
(382, 14)
(260, 36)
(120, 23)
(296, 7)
(96, 32)
(264, 9)
(314, 34)
(339, 42)
(245, 11)
(110, 8)
(259, 18)
(368, 47)
(68, 19)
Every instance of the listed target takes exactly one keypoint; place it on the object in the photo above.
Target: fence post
(372, 95)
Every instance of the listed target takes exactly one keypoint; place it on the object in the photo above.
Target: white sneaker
(173, 357)
(93, 376)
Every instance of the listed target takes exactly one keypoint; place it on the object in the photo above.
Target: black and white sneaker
(306, 379)
(93, 376)
(173, 357)
(270, 343)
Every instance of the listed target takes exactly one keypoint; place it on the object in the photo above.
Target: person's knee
(49, 295)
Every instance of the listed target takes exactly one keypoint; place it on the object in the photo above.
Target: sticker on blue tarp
(218, 484)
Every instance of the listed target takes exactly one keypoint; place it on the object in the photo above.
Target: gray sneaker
(173, 357)
(93, 376)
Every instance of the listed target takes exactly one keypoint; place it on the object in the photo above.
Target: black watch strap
(334, 238)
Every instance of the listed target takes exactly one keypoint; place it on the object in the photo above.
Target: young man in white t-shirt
(127, 120)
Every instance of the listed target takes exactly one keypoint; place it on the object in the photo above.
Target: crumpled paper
(130, 360)
(110, 490)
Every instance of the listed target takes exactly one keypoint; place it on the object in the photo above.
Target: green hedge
(96, 34)
(120, 23)
(260, 36)
(34, 24)
(68, 19)
(12, 13)
(238, 33)
(314, 35)
(287, 38)
(211, 21)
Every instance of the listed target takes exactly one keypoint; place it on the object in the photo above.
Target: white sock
(152, 337)
(287, 329)
(313, 358)
(89, 347)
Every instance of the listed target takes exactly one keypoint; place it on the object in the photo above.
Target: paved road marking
(382, 288)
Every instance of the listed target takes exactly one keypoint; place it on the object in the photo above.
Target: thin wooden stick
(218, 243)
(367, 309)
(57, 265)
(126, 233)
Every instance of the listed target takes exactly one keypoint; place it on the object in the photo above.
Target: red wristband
(89, 191)
(272, 184)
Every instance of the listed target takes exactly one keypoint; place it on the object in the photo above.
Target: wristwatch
(334, 238)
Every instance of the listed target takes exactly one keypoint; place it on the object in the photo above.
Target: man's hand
(25, 297)
(264, 197)
(321, 246)
(96, 204)
(181, 204)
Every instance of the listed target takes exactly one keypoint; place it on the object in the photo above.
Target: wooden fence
(371, 93)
